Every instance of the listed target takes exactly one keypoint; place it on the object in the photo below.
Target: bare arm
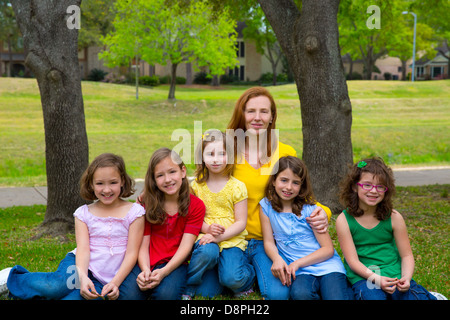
(87, 289)
(279, 266)
(404, 249)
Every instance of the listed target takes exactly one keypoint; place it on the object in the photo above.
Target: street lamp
(414, 44)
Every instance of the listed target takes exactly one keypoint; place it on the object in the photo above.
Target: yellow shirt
(220, 208)
(256, 180)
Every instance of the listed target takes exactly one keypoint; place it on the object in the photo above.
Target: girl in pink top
(108, 234)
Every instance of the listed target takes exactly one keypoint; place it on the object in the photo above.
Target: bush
(226, 78)
(96, 75)
(149, 81)
(201, 78)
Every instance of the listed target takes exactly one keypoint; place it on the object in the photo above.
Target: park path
(27, 196)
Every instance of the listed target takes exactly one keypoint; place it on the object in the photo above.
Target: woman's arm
(404, 249)
(318, 220)
(279, 266)
(135, 234)
(87, 289)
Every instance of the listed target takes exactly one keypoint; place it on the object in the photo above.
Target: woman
(255, 114)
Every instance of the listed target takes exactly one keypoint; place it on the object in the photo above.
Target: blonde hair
(202, 172)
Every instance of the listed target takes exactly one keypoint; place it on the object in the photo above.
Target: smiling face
(257, 114)
(287, 185)
(169, 176)
(107, 185)
(369, 199)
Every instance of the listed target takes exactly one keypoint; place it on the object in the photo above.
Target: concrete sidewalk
(23, 196)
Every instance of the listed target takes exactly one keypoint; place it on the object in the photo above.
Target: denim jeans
(170, 288)
(331, 286)
(211, 270)
(61, 284)
(416, 292)
(271, 287)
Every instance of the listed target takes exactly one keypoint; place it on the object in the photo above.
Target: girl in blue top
(302, 258)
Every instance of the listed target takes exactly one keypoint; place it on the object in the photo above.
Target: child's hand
(143, 280)
(111, 291)
(388, 285)
(156, 277)
(207, 238)
(281, 271)
(87, 289)
(403, 284)
(216, 229)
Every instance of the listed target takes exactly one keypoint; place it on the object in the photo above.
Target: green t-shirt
(376, 249)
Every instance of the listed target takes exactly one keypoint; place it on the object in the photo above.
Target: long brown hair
(153, 198)
(237, 120)
(349, 189)
(102, 161)
(201, 171)
(305, 195)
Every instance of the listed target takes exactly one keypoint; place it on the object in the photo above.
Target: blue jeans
(271, 287)
(415, 292)
(331, 286)
(170, 288)
(61, 284)
(211, 270)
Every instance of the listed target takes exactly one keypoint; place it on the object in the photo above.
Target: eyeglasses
(368, 187)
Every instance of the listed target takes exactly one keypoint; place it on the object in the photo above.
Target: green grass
(426, 210)
(408, 124)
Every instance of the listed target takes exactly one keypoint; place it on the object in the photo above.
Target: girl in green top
(373, 236)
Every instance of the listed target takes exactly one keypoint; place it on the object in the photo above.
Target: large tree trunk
(53, 58)
(309, 40)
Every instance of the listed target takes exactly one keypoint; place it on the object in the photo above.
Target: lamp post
(414, 44)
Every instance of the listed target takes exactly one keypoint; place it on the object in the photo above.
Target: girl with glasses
(373, 236)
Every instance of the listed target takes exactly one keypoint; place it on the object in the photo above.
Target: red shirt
(166, 238)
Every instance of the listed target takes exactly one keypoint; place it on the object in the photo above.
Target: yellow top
(220, 208)
(256, 180)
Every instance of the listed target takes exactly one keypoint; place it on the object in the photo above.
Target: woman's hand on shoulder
(318, 220)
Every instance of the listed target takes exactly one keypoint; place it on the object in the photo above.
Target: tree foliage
(157, 33)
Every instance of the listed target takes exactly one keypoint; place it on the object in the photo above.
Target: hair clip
(361, 164)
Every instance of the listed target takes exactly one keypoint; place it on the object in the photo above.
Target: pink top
(108, 238)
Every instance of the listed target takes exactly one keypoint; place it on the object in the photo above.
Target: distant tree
(52, 55)
(259, 30)
(9, 32)
(157, 33)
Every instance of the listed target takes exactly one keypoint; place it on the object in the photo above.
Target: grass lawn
(405, 123)
(426, 210)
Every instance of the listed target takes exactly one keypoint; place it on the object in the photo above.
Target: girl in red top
(174, 218)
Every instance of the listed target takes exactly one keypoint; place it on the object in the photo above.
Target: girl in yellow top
(222, 241)
(254, 119)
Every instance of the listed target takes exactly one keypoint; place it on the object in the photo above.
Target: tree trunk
(52, 55)
(173, 81)
(309, 40)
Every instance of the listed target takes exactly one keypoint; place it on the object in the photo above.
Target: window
(240, 49)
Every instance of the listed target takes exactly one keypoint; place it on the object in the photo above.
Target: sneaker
(3, 280)
(439, 296)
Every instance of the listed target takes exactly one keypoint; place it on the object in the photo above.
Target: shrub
(201, 78)
(149, 80)
(96, 75)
